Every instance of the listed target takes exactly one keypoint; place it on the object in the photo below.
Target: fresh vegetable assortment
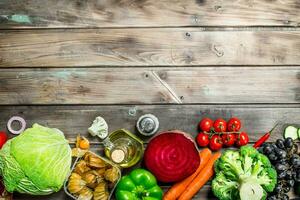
(284, 155)
(219, 133)
(243, 174)
(264, 171)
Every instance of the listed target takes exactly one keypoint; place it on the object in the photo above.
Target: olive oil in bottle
(123, 148)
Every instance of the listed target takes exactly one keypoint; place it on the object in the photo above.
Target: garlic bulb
(75, 183)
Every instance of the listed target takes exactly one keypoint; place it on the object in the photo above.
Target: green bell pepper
(140, 184)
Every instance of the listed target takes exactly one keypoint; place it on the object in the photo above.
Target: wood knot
(195, 19)
(188, 36)
(162, 75)
(132, 111)
(217, 49)
(218, 8)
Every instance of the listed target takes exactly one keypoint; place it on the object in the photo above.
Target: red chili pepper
(264, 138)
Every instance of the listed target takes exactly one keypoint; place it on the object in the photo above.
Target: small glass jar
(123, 148)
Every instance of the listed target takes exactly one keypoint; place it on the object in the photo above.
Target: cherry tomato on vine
(206, 124)
(228, 139)
(234, 124)
(242, 139)
(215, 143)
(220, 125)
(202, 139)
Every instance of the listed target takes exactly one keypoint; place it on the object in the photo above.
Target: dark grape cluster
(284, 156)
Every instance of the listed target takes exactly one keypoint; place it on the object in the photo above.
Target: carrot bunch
(187, 188)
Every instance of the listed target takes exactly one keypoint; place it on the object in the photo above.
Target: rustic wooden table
(64, 62)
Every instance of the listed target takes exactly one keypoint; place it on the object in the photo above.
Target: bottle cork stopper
(117, 155)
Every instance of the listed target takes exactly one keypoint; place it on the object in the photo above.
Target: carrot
(176, 190)
(206, 173)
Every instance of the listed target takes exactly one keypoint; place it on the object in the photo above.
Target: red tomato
(242, 139)
(220, 125)
(234, 124)
(228, 139)
(206, 124)
(3, 138)
(202, 139)
(215, 143)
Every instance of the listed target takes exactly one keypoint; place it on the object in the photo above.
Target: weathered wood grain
(76, 119)
(123, 13)
(150, 85)
(151, 47)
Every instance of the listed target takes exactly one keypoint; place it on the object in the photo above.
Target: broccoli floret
(230, 155)
(248, 151)
(248, 154)
(257, 168)
(243, 175)
(264, 173)
(216, 166)
(268, 179)
(230, 164)
(224, 188)
(264, 159)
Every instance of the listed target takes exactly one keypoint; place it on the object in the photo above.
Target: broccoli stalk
(250, 189)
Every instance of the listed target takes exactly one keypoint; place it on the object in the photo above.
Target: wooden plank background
(145, 13)
(147, 47)
(62, 63)
(151, 85)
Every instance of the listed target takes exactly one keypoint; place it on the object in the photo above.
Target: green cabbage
(36, 162)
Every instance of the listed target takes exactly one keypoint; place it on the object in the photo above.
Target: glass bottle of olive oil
(123, 148)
